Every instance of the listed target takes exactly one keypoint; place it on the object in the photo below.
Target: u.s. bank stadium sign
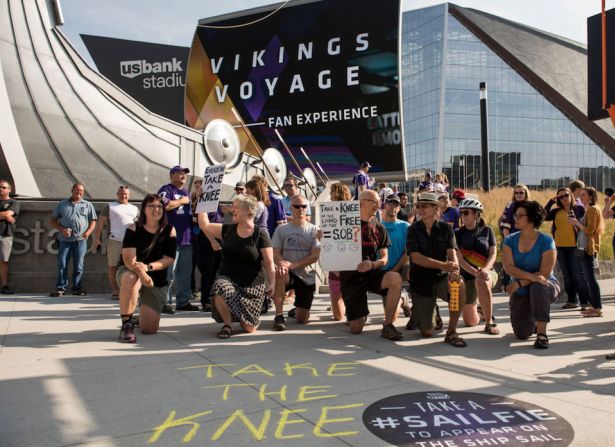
(460, 419)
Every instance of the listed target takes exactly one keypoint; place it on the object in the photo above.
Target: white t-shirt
(120, 215)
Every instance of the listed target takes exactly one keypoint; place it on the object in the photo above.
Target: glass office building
(537, 135)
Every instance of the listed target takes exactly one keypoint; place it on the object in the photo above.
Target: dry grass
(495, 201)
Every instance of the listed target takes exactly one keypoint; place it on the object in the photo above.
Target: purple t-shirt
(180, 217)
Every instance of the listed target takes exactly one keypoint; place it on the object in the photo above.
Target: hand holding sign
(212, 185)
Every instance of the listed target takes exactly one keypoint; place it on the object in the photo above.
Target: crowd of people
(263, 248)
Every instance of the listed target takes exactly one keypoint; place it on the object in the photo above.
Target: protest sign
(341, 235)
(212, 185)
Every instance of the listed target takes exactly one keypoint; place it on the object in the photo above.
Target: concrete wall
(34, 257)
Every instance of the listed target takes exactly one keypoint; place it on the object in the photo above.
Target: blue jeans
(593, 288)
(181, 274)
(77, 250)
(574, 282)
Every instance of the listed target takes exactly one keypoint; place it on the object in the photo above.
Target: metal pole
(295, 161)
(313, 167)
(484, 143)
(258, 149)
(322, 170)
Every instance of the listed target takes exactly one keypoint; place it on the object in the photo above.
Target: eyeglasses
(288, 185)
(302, 206)
(518, 193)
(519, 216)
(154, 207)
(466, 212)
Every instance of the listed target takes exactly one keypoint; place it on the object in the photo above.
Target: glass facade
(530, 141)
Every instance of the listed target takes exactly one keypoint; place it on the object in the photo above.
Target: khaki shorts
(114, 252)
(424, 307)
(154, 297)
(6, 244)
(471, 295)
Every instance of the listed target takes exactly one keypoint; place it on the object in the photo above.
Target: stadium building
(539, 133)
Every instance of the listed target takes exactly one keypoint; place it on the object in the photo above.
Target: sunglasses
(300, 207)
(518, 193)
(565, 196)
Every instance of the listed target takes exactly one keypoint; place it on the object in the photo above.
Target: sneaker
(406, 306)
(292, 313)
(167, 309)
(127, 333)
(570, 306)
(6, 290)
(196, 296)
(78, 292)
(389, 331)
(187, 308)
(279, 324)
(58, 292)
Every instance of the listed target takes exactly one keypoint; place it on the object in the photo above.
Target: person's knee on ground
(248, 327)
(149, 320)
(356, 326)
(470, 315)
(302, 315)
(337, 307)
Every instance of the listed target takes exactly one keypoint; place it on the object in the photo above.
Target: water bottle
(453, 290)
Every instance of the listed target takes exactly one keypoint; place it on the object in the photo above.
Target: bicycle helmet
(472, 204)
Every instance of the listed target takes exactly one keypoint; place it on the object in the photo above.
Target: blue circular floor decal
(458, 419)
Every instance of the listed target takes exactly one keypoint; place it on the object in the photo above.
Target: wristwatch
(150, 267)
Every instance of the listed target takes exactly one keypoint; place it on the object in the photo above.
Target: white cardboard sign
(212, 186)
(341, 235)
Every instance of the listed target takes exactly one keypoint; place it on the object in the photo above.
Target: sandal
(593, 313)
(491, 329)
(225, 332)
(542, 341)
(455, 340)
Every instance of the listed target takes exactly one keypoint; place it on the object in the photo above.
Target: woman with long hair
(256, 188)
(339, 192)
(565, 235)
(591, 227)
(477, 252)
(147, 251)
(506, 222)
(528, 257)
(240, 288)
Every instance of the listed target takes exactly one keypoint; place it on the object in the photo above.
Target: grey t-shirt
(296, 243)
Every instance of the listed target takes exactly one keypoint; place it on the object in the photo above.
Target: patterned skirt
(245, 303)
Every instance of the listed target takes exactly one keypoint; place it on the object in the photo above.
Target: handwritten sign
(212, 186)
(341, 235)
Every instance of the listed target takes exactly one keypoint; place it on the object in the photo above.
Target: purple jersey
(180, 217)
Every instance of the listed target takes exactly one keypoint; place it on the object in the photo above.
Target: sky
(173, 21)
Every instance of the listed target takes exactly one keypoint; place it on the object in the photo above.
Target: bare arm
(102, 222)
(172, 204)
(88, 231)
(402, 261)
(267, 254)
(213, 230)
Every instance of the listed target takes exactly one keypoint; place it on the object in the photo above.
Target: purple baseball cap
(178, 168)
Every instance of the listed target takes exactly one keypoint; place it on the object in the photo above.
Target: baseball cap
(459, 194)
(392, 198)
(178, 168)
(428, 197)
(366, 164)
(241, 185)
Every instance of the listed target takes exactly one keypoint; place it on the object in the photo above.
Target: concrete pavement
(65, 380)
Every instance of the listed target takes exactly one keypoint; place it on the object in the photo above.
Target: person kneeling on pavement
(295, 250)
(148, 250)
(369, 277)
(432, 249)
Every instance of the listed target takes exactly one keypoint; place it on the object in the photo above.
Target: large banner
(153, 74)
(323, 73)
